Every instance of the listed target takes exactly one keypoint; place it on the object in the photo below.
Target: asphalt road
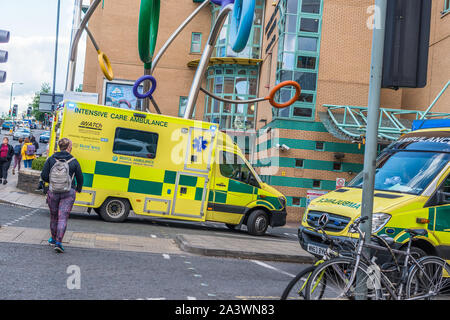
(36, 272)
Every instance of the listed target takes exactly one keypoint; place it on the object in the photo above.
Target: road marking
(204, 284)
(197, 275)
(155, 299)
(153, 236)
(211, 295)
(191, 298)
(290, 234)
(22, 217)
(268, 266)
(187, 262)
(166, 256)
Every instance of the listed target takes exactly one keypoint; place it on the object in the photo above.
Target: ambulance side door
(440, 218)
(234, 185)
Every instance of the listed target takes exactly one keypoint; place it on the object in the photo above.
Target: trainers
(5, 182)
(51, 242)
(14, 172)
(58, 247)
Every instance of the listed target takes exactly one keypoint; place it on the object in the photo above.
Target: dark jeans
(4, 167)
(27, 163)
(60, 205)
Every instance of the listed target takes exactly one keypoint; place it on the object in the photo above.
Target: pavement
(238, 245)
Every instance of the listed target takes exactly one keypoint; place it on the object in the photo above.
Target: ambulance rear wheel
(257, 223)
(115, 209)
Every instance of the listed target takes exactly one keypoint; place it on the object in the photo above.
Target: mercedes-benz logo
(323, 220)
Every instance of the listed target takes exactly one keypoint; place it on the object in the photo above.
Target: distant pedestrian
(6, 155)
(28, 153)
(59, 172)
(17, 156)
(34, 142)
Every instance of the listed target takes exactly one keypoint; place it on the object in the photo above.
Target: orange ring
(271, 96)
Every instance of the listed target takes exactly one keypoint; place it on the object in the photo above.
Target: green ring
(148, 30)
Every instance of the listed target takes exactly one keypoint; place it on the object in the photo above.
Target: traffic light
(4, 38)
(29, 112)
(14, 111)
(406, 44)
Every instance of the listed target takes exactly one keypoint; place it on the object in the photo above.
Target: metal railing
(352, 120)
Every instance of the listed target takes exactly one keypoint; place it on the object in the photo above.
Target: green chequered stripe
(236, 186)
(220, 197)
(198, 194)
(88, 178)
(145, 187)
(112, 169)
(170, 177)
(188, 181)
(272, 200)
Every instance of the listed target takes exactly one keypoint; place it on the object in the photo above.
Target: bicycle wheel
(295, 288)
(333, 277)
(429, 280)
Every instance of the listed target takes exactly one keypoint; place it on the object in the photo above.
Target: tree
(38, 115)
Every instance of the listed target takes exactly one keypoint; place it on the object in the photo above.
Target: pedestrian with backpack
(63, 174)
(6, 154)
(17, 156)
(28, 153)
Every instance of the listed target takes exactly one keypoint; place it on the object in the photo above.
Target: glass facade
(298, 55)
(253, 48)
(233, 82)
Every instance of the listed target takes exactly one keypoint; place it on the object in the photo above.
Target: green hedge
(38, 163)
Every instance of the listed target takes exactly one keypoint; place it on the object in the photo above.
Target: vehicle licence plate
(316, 250)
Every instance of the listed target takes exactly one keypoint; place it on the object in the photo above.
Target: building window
(182, 107)
(196, 42)
(233, 82)
(316, 184)
(320, 146)
(298, 55)
(337, 166)
(253, 47)
(299, 163)
(446, 6)
(135, 143)
(295, 201)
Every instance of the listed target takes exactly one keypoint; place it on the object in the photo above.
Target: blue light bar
(430, 123)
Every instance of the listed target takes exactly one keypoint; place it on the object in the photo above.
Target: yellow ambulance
(164, 167)
(412, 190)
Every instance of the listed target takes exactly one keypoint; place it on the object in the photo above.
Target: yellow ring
(105, 65)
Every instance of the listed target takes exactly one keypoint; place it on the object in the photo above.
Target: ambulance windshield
(405, 171)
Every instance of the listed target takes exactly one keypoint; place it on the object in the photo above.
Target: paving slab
(91, 240)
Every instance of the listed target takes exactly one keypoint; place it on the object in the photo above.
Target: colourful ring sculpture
(148, 30)
(105, 65)
(146, 94)
(271, 96)
(241, 23)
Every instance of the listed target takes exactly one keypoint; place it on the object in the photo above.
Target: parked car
(44, 137)
(7, 125)
(21, 133)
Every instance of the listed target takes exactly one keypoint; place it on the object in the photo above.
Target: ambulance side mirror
(443, 197)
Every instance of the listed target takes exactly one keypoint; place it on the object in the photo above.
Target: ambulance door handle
(220, 185)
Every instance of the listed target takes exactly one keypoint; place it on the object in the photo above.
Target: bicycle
(342, 277)
(295, 288)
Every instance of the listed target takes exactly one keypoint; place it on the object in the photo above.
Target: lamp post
(10, 97)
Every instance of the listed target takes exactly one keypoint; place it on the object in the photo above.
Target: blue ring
(138, 83)
(241, 23)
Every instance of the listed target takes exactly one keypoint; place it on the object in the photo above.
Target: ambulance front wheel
(115, 209)
(257, 223)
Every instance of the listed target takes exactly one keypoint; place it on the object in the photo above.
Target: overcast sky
(31, 48)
